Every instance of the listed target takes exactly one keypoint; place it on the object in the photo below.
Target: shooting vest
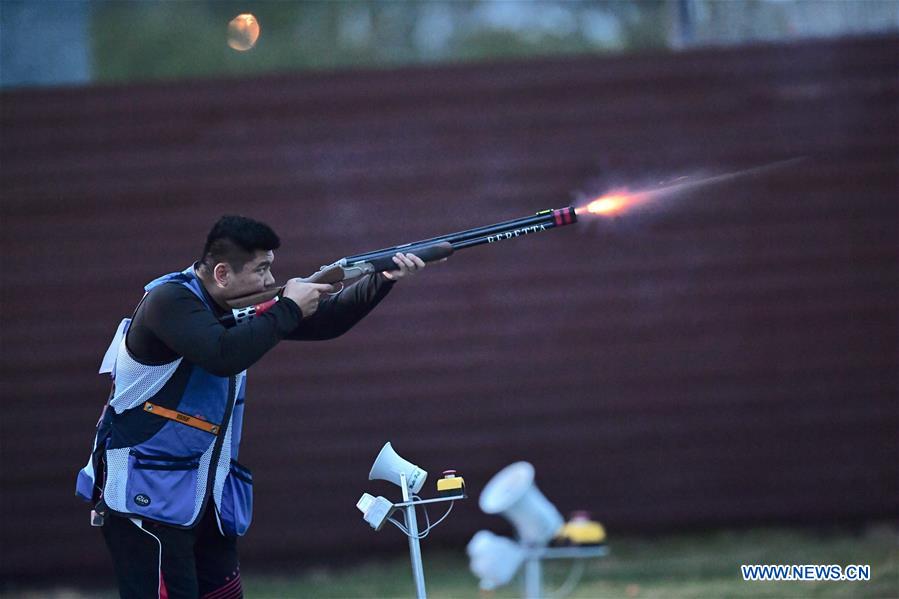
(169, 437)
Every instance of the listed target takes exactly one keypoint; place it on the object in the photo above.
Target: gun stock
(328, 275)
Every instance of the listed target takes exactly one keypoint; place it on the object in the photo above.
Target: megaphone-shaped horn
(389, 465)
(512, 493)
(493, 559)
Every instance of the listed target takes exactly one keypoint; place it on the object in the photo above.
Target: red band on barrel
(563, 217)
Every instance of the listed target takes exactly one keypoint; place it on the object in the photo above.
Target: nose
(269, 279)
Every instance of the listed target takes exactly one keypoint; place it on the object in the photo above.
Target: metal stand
(418, 571)
(533, 576)
(533, 568)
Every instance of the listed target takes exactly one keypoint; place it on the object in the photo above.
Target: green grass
(665, 567)
(668, 567)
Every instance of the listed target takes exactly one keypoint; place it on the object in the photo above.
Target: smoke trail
(622, 200)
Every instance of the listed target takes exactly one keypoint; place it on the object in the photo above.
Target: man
(164, 477)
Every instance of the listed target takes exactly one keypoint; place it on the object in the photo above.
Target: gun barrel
(547, 219)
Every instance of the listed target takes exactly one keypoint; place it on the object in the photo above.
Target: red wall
(730, 358)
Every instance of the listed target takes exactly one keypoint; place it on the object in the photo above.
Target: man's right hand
(307, 295)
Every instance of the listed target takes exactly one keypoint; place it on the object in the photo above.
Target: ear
(222, 274)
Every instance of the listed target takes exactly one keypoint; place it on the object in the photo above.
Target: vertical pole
(418, 571)
(533, 576)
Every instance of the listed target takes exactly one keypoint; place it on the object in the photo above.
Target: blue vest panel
(160, 468)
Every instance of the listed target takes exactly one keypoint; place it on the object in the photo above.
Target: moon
(243, 32)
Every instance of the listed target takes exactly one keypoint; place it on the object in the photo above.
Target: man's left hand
(408, 264)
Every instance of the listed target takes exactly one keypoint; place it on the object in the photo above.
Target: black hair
(234, 239)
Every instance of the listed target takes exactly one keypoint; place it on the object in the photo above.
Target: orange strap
(182, 418)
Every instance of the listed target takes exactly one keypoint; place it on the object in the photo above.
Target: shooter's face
(255, 276)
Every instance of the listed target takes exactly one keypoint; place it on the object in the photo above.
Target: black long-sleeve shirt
(172, 321)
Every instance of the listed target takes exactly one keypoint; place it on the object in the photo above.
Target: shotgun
(429, 250)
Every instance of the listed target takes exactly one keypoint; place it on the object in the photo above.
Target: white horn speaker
(493, 559)
(388, 466)
(513, 494)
